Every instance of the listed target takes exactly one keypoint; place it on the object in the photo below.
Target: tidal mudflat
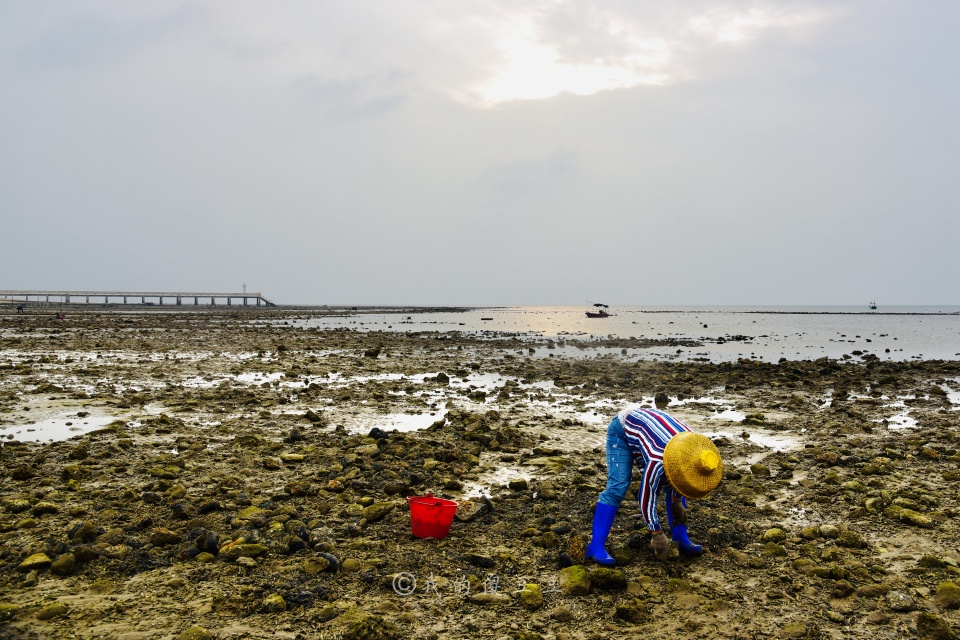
(234, 475)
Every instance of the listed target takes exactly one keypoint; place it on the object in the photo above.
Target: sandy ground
(227, 475)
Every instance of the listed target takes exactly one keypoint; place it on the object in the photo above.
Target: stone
(851, 540)
(350, 564)
(676, 585)
(168, 472)
(470, 510)
(577, 548)
(44, 508)
(774, 535)
(313, 566)
(16, 505)
(54, 610)
(829, 531)
(931, 627)
(274, 603)
(64, 565)
(250, 512)
(479, 560)
(608, 579)
(634, 612)
(877, 617)
(86, 553)
(517, 484)
(794, 630)
(243, 550)
(900, 602)
(842, 589)
(574, 581)
(377, 511)
(871, 591)
(8, 611)
(835, 617)
(360, 625)
(948, 595)
(334, 566)
(86, 532)
(35, 562)
(195, 633)
(760, 470)
(161, 537)
(531, 596)
(562, 614)
(490, 598)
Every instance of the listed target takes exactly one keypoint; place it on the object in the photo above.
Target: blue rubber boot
(679, 534)
(602, 522)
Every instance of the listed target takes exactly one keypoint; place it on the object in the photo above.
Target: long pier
(155, 298)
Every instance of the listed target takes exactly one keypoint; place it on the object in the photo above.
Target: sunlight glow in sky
(533, 63)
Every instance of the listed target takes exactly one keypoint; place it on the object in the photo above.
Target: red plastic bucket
(431, 517)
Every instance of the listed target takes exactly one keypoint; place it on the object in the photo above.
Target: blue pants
(619, 465)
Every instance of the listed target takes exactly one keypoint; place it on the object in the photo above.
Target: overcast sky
(486, 152)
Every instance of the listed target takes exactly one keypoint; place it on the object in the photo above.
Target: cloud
(358, 97)
(550, 47)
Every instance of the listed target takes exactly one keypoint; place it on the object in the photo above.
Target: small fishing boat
(873, 305)
(601, 311)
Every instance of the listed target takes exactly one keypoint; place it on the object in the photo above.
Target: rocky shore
(235, 476)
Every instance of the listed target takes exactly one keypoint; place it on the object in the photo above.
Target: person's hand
(660, 544)
(679, 513)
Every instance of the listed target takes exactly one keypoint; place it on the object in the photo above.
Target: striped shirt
(648, 432)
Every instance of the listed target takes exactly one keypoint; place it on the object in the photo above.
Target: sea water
(725, 333)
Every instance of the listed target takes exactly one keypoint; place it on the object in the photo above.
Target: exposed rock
(531, 597)
(574, 581)
(36, 562)
(64, 565)
(948, 595)
(273, 603)
(900, 601)
(608, 579)
(377, 512)
(160, 537)
(931, 627)
(53, 610)
(490, 598)
(634, 612)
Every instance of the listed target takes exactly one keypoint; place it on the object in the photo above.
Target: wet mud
(233, 475)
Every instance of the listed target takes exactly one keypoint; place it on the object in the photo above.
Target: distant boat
(601, 311)
(873, 305)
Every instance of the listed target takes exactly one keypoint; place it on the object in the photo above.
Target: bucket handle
(410, 499)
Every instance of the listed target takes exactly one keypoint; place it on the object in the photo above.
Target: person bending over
(671, 457)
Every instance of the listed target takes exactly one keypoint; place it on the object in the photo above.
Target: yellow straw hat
(692, 464)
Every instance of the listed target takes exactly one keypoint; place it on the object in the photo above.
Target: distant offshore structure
(147, 298)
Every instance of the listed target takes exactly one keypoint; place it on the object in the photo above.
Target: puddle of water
(487, 480)
(801, 517)
(899, 422)
(55, 429)
(778, 442)
(952, 396)
(403, 422)
(258, 378)
(728, 415)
